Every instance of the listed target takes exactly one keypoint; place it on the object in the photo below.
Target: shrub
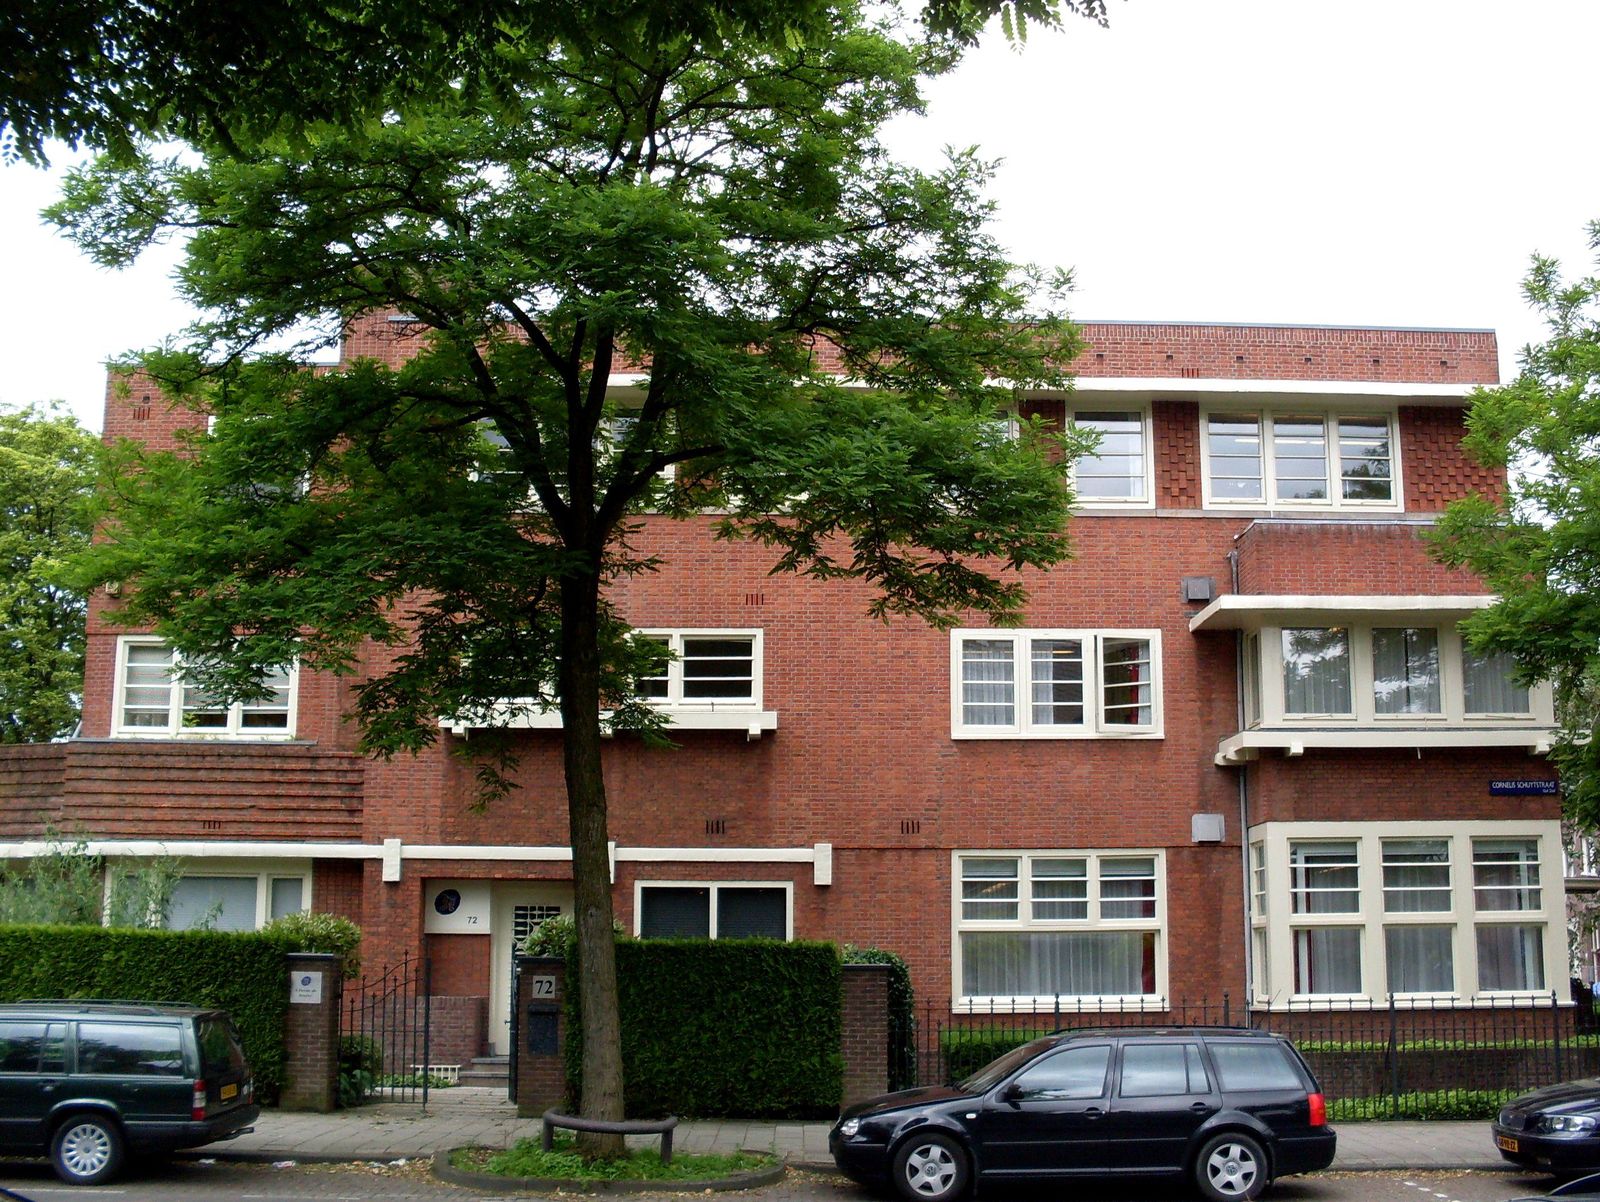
(329, 933)
(902, 1013)
(360, 1067)
(240, 972)
(727, 1027)
(965, 1052)
(1448, 1104)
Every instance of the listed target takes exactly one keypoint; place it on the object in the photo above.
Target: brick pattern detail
(541, 1080)
(1436, 467)
(311, 1039)
(1175, 427)
(457, 1027)
(865, 1042)
(1285, 556)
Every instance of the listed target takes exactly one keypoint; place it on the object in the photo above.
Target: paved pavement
(466, 1115)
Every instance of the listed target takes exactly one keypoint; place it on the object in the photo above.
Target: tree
(111, 71)
(1538, 544)
(67, 885)
(718, 214)
(47, 473)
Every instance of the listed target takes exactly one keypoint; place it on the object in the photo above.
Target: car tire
(86, 1149)
(1231, 1168)
(930, 1167)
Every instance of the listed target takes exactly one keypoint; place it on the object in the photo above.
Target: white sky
(1276, 161)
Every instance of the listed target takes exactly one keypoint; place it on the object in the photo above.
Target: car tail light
(197, 1108)
(1319, 1109)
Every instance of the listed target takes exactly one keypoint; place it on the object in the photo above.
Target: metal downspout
(1244, 801)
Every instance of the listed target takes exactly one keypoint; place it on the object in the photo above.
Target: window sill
(1247, 745)
(208, 736)
(510, 716)
(1086, 1004)
(1342, 1003)
(980, 735)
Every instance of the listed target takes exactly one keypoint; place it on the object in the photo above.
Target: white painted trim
(753, 722)
(1094, 726)
(1142, 504)
(639, 886)
(393, 852)
(1246, 611)
(1247, 745)
(1176, 388)
(174, 729)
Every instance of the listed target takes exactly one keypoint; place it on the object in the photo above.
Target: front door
(1049, 1119)
(515, 910)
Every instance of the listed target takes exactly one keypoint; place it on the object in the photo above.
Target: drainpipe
(1244, 800)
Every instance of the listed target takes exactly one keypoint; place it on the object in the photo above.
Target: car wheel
(1231, 1168)
(930, 1168)
(86, 1149)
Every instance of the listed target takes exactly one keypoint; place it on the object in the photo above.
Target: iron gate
(384, 1035)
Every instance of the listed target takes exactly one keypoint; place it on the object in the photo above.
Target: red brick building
(1236, 746)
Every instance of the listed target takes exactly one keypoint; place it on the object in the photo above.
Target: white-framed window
(1118, 471)
(1381, 672)
(1300, 458)
(710, 669)
(1032, 927)
(1361, 911)
(713, 909)
(228, 897)
(153, 699)
(1055, 684)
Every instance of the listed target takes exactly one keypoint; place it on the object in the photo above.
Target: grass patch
(526, 1158)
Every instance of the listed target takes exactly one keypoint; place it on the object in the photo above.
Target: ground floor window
(1035, 927)
(1368, 911)
(707, 910)
(236, 899)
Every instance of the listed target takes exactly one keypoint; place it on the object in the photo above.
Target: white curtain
(1405, 671)
(1316, 671)
(1490, 687)
(988, 683)
(1327, 960)
(1051, 963)
(1420, 959)
(1510, 956)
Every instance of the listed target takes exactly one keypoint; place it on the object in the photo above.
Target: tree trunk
(602, 1096)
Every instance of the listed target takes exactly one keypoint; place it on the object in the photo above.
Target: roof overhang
(1248, 611)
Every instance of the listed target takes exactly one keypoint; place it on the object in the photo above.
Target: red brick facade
(861, 799)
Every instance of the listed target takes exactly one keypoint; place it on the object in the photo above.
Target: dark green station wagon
(89, 1082)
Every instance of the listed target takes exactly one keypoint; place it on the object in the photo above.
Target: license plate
(230, 1092)
(1505, 1143)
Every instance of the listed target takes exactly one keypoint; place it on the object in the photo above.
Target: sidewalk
(465, 1115)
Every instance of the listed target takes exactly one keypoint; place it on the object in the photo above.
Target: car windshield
(997, 1070)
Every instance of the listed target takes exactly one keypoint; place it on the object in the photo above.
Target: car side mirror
(1009, 1092)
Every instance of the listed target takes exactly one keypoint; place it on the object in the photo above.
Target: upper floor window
(154, 698)
(1055, 684)
(709, 668)
(1382, 674)
(1117, 471)
(1311, 460)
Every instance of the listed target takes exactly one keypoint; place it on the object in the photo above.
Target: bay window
(1055, 684)
(1301, 459)
(1034, 927)
(1316, 671)
(1364, 911)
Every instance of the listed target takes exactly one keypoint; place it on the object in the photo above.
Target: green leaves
(47, 468)
(1538, 545)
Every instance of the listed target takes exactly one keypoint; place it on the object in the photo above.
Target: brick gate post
(541, 1027)
(311, 1032)
(864, 1035)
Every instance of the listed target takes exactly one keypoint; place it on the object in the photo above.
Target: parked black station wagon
(86, 1082)
(1230, 1108)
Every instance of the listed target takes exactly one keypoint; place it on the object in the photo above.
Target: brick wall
(865, 1041)
(1359, 557)
(311, 1038)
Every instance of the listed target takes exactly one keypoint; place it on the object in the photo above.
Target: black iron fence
(1398, 1058)
(384, 1035)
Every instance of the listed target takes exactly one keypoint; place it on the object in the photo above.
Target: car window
(1001, 1067)
(55, 1049)
(20, 1046)
(1255, 1065)
(1073, 1073)
(130, 1049)
(220, 1053)
(1154, 1069)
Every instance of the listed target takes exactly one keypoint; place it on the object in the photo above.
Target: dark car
(1232, 1109)
(1584, 1189)
(87, 1082)
(1556, 1129)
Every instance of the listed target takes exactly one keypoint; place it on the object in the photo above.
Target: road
(206, 1182)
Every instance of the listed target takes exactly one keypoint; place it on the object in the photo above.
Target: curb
(445, 1171)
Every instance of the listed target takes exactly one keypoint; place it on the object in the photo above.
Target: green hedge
(724, 1028)
(1444, 1104)
(242, 973)
(902, 1013)
(965, 1052)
